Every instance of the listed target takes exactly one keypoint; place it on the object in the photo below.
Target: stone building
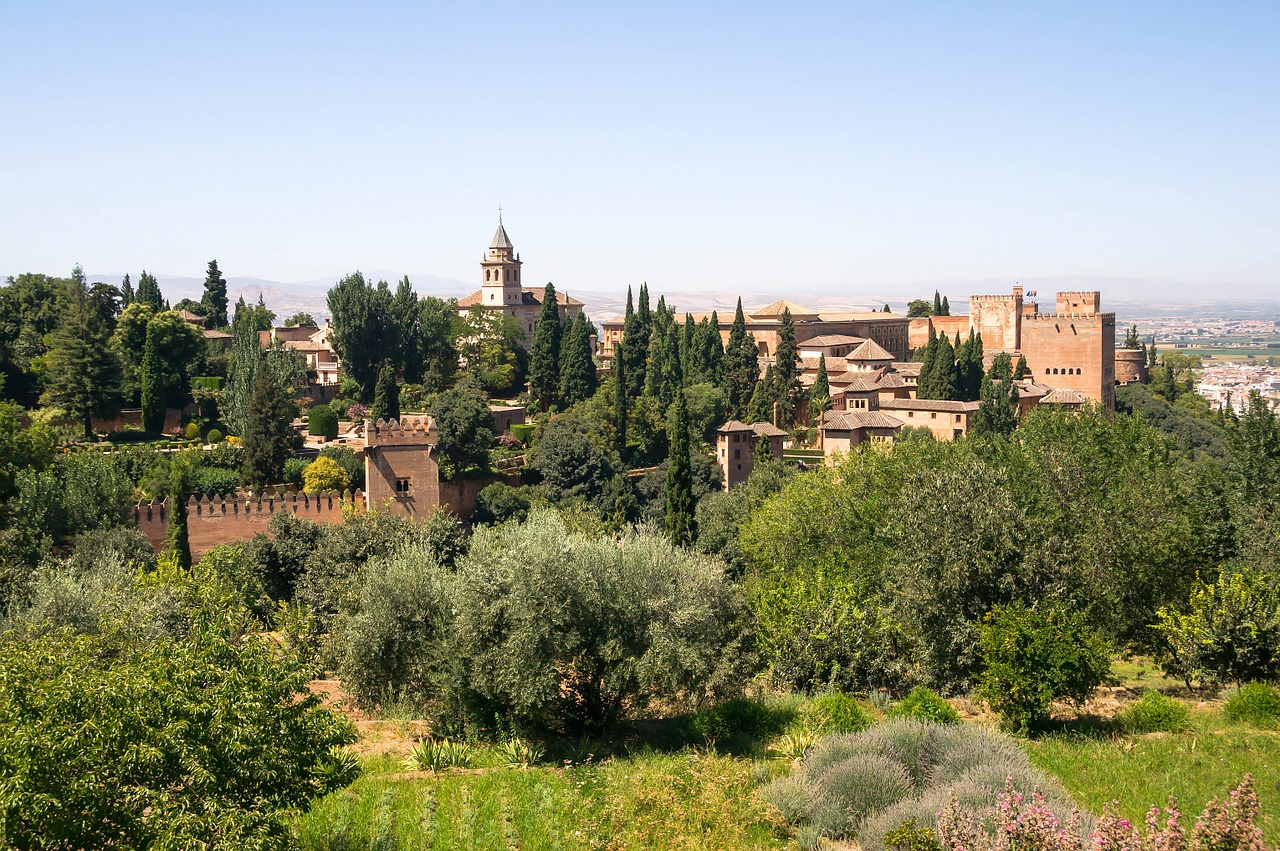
(842, 431)
(312, 342)
(502, 289)
(736, 448)
(887, 330)
(401, 473)
(947, 420)
(1073, 347)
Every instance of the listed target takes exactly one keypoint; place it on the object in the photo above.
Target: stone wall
(215, 521)
(918, 333)
(1073, 351)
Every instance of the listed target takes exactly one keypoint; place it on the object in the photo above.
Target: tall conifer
(620, 395)
(544, 357)
(126, 292)
(149, 292)
(680, 502)
(577, 369)
(741, 366)
(267, 433)
(1022, 370)
(214, 299)
(785, 373)
(386, 398)
(83, 374)
(152, 384)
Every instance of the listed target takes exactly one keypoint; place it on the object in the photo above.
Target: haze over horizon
(835, 148)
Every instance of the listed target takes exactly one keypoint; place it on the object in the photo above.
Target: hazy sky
(755, 146)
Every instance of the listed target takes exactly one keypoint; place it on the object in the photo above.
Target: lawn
(1138, 771)
(684, 800)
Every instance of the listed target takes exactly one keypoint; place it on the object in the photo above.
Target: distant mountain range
(1129, 298)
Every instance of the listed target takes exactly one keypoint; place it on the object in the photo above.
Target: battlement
(408, 431)
(1079, 302)
(1073, 317)
(995, 299)
(219, 520)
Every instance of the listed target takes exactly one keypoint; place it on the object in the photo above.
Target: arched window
(1046, 370)
(1055, 370)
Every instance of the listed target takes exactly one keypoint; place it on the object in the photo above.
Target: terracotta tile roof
(824, 340)
(928, 405)
(193, 318)
(907, 367)
(734, 425)
(869, 350)
(854, 420)
(528, 297)
(767, 429)
(891, 381)
(1031, 390)
(1062, 396)
(776, 309)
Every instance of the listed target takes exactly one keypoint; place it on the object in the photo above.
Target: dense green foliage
(925, 705)
(1034, 657)
(1254, 703)
(322, 422)
(544, 355)
(464, 428)
(1154, 712)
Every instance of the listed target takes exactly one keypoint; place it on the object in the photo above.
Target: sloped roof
(500, 239)
(216, 335)
(869, 350)
(1062, 396)
(776, 309)
(854, 420)
(188, 316)
(1029, 389)
(912, 367)
(928, 405)
(854, 382)
(825, 340)
(891, 381)
(528, 296)
(768, 429)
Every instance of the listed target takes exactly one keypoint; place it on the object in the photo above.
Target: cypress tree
(635, 337)
(620, 393)
(152, 391)
(886, 309)
(937, 304)
(688, 335)
(820, 393)
(577, 369)
(680, 503)
(785, 372)
(544, 357)
(741, 366)
(267, 432)
(713, 351)
(1022, 370)
(760, 408)
(149, 292)
(177, 544)
(763, 450)
(946, 307)
(672, 375)
(386, 399)
(214, 299)
(944, 367)
(658, 369)
(1001, 367)
(126, 292)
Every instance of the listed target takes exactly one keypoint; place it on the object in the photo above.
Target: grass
(685, 800)
(1138, 771)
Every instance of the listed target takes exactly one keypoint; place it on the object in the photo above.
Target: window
(737, 453)
(957, 418)
(402, 487)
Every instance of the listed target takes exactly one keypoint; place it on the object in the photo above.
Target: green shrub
(520, 753)
(1036, 656)
(214, 436)
(500, 502)
(214, 481)
(293, 469)
(523, 432)
(739, 720)
(790, 796)
(908, 837)
(1257, 704)
(322, 422)
(1155, 713)
(202, 743)
(925, 705)
(435, 755)
(191, 431)
(324, 475)
(836, 713)
(347, 460)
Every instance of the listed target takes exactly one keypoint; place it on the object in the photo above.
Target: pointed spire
(500, 239)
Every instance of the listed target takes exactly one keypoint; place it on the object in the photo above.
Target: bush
(500, 502)
(214, 436)
(925, 705)
(1256, 703)
(293, 469)
(790, 796)
(740, 720)
(214, 481)
(556, 631)
(323, 475)
(853, 789)
(322, 422)
(191, 431)
(195, 743)
(907, 837)
(345, 458)
(836, 713)
(1034, 657)
(523, 432)
(1155, 713)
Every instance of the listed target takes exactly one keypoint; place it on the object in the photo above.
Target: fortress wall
(997, 318)
(918, 331)
(1070, 342)
(215, 521)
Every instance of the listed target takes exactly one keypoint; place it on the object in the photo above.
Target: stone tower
(500, 271)
(400, 470)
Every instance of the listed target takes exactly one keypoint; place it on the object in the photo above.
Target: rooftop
(928, 405)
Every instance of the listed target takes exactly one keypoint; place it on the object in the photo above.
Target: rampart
(218, 520)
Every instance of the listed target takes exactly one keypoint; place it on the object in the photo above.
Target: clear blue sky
(755, 146)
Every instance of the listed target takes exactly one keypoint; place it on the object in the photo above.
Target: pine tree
(741, 365)
(937, 304)
(577, 369)
(83, 374)
(680, 502)
(126, 292)
(544, 357)
(178, 545)
(148, 292)
(946, 307)
(386, 399)
(153, 402)
(620, 392)
(1022, 370)
(214, 299)
(266, 436)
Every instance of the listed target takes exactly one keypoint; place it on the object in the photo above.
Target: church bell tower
(500, 269)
